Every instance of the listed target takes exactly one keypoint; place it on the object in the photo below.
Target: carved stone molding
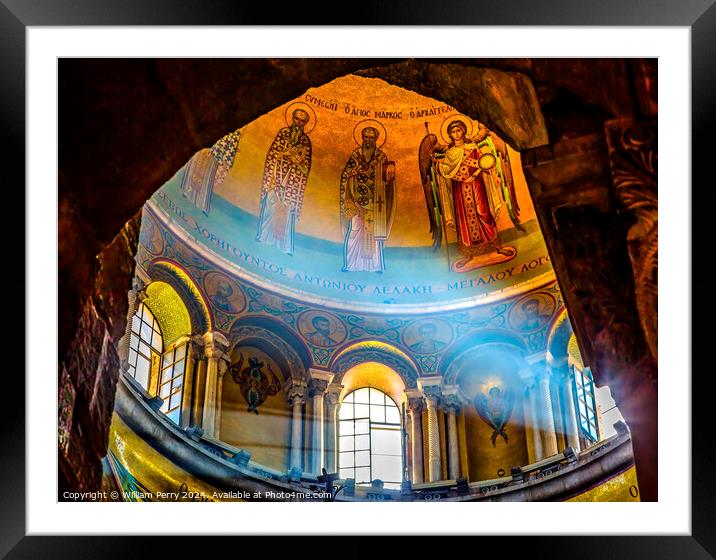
(633, 158)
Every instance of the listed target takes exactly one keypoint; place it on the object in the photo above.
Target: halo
(357, 135)
(458, 117)
(288, 115)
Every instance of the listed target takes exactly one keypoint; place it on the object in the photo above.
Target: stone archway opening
(553, 168)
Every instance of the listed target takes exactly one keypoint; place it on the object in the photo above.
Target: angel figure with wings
(466, 184)
(495, 409)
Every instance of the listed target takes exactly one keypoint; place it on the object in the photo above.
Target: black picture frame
(699, 15)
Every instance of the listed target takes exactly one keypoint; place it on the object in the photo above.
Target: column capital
(319, 381)
(138, 284)
(452, 403)
(451, 399)
(215, 344)
(430, 387)
(536, 358)
(296, 390)
(416, 403)
(556, 362)
(141, 275)
(333, 394)
(197, 347)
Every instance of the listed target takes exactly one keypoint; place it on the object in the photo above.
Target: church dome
(222, 204)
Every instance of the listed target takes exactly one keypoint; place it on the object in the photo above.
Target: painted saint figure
(207, 170)
(427, 343)
(534, 318)
(367, 200)
(288, 163)
(222, 295)
(466, 184)
(321, 336)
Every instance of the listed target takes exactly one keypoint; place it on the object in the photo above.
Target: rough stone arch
(506, 102)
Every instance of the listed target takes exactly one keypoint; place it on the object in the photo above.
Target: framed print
(419, 267)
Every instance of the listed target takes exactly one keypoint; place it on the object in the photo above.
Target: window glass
(583, 388)
(369, 442)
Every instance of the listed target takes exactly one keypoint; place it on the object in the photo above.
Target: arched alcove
(377, 352)
(172, 274)
(488, 380)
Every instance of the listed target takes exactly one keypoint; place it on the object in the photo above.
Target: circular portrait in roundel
(151, 236)
(223, 293)
(321, 329)
(428, 336)
(532, 312)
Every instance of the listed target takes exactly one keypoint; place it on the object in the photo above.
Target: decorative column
(296, 390)
(215, 344)
(332, 404)
(532, 427)
(544, 397)
(188, 384)
(197, 406)
(319, 384)
(564, 380)
(415, 410)
(431, 389)
(556, 399)
(134, 298)
(453, 406)
(223, 367)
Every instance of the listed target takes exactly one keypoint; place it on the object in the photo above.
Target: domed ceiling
(316, 213)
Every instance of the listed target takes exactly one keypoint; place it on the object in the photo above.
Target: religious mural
(208, 169)
(532, 312)
(495, 409)
(467, 182)
(321, 328)
(288, 163)
(224, 293)
(368, 201)
(428, 337)
(341, 194)
(256, 379)
(527, 314)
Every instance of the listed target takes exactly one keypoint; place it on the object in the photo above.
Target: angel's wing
(274, 383)
(432, 199)
(481, 405)
(235, 369)
(509, 400)
(508, 187)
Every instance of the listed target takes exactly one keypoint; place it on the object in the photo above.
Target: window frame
(388, 403)
(154, 353)
(582, 380)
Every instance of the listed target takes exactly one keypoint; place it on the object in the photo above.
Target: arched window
(369, 445)
(171, 381)
(145, 345)
(583, 389)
